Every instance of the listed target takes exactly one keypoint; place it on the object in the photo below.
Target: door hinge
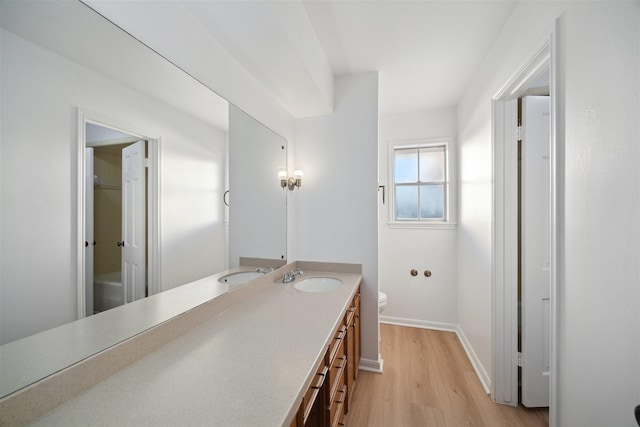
(147, 162)
(520, 359)
(519, 132)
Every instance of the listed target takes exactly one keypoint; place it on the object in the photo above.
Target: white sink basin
(318, 284)
(239, 277)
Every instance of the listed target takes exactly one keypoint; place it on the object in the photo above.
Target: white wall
(601, 165)
(416, 300)
(599, 301)
(336, 206)
(40, 94)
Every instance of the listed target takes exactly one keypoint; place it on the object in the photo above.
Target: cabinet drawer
(351, 311)
(336, 410)
(336, 345)
(349, 315)
(337, 370)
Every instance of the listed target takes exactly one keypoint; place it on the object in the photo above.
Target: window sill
(424, 225)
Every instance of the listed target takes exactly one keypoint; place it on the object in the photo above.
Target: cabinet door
(356, 337)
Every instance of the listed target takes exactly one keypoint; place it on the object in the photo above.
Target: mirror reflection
(69, 78)
(255, 157)
(114, 213)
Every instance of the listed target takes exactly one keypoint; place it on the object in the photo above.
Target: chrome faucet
(264, 270)
(290, 276)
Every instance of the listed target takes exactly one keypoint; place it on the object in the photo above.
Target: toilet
(382, 301)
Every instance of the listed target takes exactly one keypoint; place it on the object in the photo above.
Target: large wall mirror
(77, 92)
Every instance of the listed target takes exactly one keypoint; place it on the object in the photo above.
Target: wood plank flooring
(429, 381)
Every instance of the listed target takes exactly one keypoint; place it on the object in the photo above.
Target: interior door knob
(121, 243)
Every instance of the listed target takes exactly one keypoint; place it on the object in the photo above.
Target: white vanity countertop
(247, 366)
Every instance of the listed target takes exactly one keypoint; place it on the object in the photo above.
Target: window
(421, 189)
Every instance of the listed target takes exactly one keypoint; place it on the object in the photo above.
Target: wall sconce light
(293, 181)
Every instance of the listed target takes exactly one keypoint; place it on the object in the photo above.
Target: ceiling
(425, 51)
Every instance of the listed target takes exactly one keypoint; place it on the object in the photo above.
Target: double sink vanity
(262, 353)
(239, 348)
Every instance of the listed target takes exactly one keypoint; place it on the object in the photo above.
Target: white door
(88, 233)
(535, 251)
(133, 222)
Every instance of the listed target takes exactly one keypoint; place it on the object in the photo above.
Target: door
(133, 222)
(88, 233)
(535, 250)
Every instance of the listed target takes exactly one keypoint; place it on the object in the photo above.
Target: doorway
(533, 245)
(115, 206)
(118, 202)
(505, 385)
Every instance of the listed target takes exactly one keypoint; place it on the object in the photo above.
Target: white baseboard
(401, 321)
(448, 327)
(475, 361)
(371, 365)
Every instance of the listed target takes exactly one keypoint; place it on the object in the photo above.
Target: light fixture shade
(298, 173)
(282, 174)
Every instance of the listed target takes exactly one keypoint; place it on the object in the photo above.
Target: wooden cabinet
(352, 322)
(327, 400)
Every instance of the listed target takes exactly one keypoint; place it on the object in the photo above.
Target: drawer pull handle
(341, 398)
(322, 376)
(343, 360)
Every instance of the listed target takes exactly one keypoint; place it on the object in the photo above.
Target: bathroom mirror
(60, 62)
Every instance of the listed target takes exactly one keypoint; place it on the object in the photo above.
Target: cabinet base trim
(371, 365)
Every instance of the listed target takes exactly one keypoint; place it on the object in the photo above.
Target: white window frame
(450, 196)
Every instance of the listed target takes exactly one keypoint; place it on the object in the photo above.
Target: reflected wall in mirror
(257, 212)
(61, 57)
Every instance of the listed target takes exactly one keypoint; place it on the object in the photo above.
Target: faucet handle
(297, 271)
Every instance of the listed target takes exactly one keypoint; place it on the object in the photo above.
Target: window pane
(432, 201)
(407, 202)
(432, 163)
(406, 165)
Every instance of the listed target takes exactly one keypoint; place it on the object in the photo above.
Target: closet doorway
(523, 227)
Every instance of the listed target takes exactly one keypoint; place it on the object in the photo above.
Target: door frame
(504, 381)
(153, 201)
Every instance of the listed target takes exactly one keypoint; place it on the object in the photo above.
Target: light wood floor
(429, 381)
